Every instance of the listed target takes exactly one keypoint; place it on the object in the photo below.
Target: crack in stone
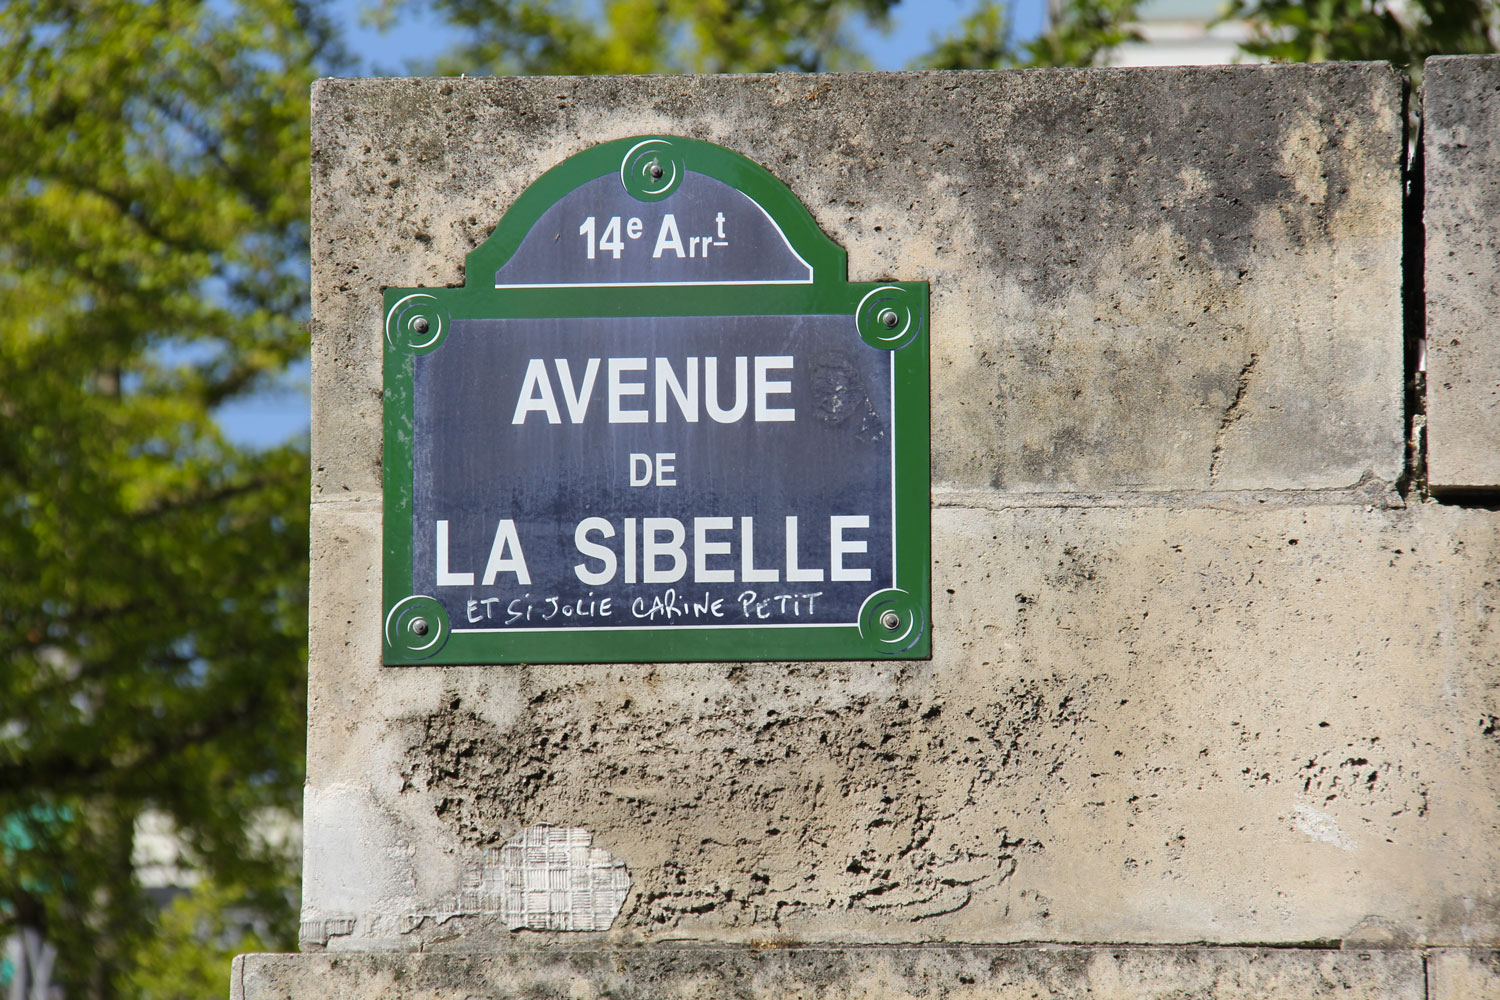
(1231, 414)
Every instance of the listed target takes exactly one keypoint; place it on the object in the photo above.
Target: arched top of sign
(655, 211)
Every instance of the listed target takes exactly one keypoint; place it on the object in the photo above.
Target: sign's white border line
(895, 535)
(662, 628)
(658, 284)
(632, 628)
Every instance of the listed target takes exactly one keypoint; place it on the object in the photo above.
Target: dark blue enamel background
(831, 460)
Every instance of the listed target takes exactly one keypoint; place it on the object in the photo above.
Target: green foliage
(648, 36)
(982, 41)
(1404, 34)
(153, 225)
(529, 37)
(153, 201)
(1082, 33)
(197, 936)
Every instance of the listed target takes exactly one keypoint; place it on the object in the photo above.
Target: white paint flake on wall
(550, 878)
(545, 878)
(1320, 826)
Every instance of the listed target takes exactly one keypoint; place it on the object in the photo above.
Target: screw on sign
(657, 423)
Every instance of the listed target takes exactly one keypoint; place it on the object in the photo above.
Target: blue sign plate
(659, 426)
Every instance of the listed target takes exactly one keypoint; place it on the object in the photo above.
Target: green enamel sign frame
(424, 623)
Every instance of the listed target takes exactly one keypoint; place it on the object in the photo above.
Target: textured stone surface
(1463, 974)
(1139, 724)
(1461, 149)
(1141, 280)
(960, 972)
(1197, 674)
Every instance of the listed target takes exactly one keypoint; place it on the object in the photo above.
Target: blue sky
(274, 416)
(914, 24)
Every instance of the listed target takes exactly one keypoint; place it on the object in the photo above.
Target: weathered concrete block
(1461, 215)
(1139, 724)
(1197, 675)
(880, 973)
(1463, 974)
(1141, 280)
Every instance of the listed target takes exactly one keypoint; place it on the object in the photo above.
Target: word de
(664, 463)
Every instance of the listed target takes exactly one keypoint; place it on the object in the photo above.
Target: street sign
(656, 424)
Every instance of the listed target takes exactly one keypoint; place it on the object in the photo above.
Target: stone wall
(1208, 666)
(1461, 147)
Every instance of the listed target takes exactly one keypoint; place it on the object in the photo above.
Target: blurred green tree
(550, 37)
(741, 36)
(153, 205)
(1080, 33)
(1401, 33)
(153, 224)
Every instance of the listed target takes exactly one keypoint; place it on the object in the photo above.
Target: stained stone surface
(1463, 974)
(1166, 279)
(962, 972)
(1224, 723)
(1199, 673)
(1461, 215)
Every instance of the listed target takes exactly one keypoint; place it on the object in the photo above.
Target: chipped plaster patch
(554, 879)
(545, 878)
(1322, 827)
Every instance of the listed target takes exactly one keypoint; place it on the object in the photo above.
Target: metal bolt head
(888, 318)
(419, 626)
(655, 171)
(419, 324)
(891, 621)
